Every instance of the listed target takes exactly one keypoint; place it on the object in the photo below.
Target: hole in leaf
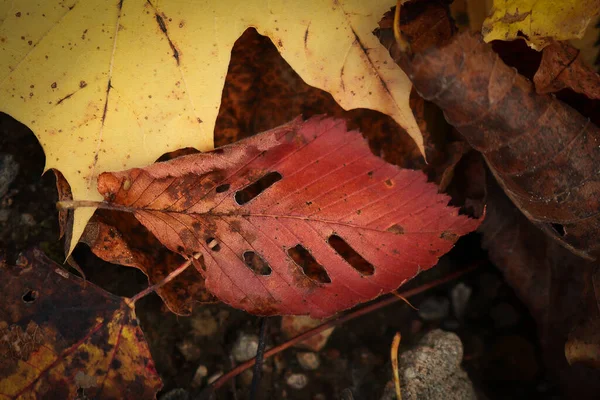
(30, 296)
(560, 229)
(350, 255)
(222, 188)
(251, 191)
(309, 265)
(213, 244)
(256, 263)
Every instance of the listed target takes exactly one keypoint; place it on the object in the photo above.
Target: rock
(245, 347)
(434, 308)
(308, 360)
(204, 323)
(294, 325)
(201, 373)
(460, 295)
(9, 169)
(190, 350)
(432, 371)
(297, 381)
(27, 219)
(176, 394)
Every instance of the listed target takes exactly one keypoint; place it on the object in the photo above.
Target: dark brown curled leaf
(563, 67)
(544, 154)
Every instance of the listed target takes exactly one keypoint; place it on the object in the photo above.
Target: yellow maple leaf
(539, 21)
(111, 85)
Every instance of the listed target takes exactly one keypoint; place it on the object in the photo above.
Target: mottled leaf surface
(61, 338)
(284, 251)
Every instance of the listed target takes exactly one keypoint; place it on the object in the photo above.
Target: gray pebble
(297, 381)
(434, 308)
(432, 371)
(460, 295)
(176, 394)
(8, 172)
(27, 220)
(308, 360)
(245, 347)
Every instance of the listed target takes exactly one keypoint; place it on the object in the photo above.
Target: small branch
(260, 352)
(386, 301)
(168, 279)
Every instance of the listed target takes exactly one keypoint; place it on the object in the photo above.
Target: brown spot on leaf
(397, 229)
(449, 236)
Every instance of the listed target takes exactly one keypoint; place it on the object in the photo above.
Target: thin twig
(394, 357)
(385, 301)
(260, 352)
(168, 279)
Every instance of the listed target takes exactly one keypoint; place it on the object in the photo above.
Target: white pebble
(297, 381)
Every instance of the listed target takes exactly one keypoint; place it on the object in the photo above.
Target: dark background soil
(502, 354)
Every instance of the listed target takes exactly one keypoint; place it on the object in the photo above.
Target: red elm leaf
(301, 219)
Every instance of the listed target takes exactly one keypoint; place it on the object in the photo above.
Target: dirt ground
(501, 351)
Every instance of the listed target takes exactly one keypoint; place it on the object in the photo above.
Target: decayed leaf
(539, 21)
(555, 285)
(544, 153)
(62, 339)
(583, 345)
(120, 239)
(113, 85)
(328, 199)
(562, 67)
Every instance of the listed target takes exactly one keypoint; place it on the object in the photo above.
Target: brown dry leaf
(552, 282)
(562, 67)
(61, 339)
(544, 153)
(119, 238)
(583, 345)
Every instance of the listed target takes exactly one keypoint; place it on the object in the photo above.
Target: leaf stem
(168, 279)
(385, 301)
(72, 204)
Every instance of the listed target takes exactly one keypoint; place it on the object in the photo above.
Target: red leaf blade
(331, 185)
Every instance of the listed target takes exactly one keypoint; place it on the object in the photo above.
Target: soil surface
(501, 351)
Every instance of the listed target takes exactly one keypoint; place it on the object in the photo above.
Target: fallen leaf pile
(544, 156)
(541, 151)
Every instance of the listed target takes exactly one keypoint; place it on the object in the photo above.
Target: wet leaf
(539, 21)
(63, 339)
(113, 85)
(334, 224)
